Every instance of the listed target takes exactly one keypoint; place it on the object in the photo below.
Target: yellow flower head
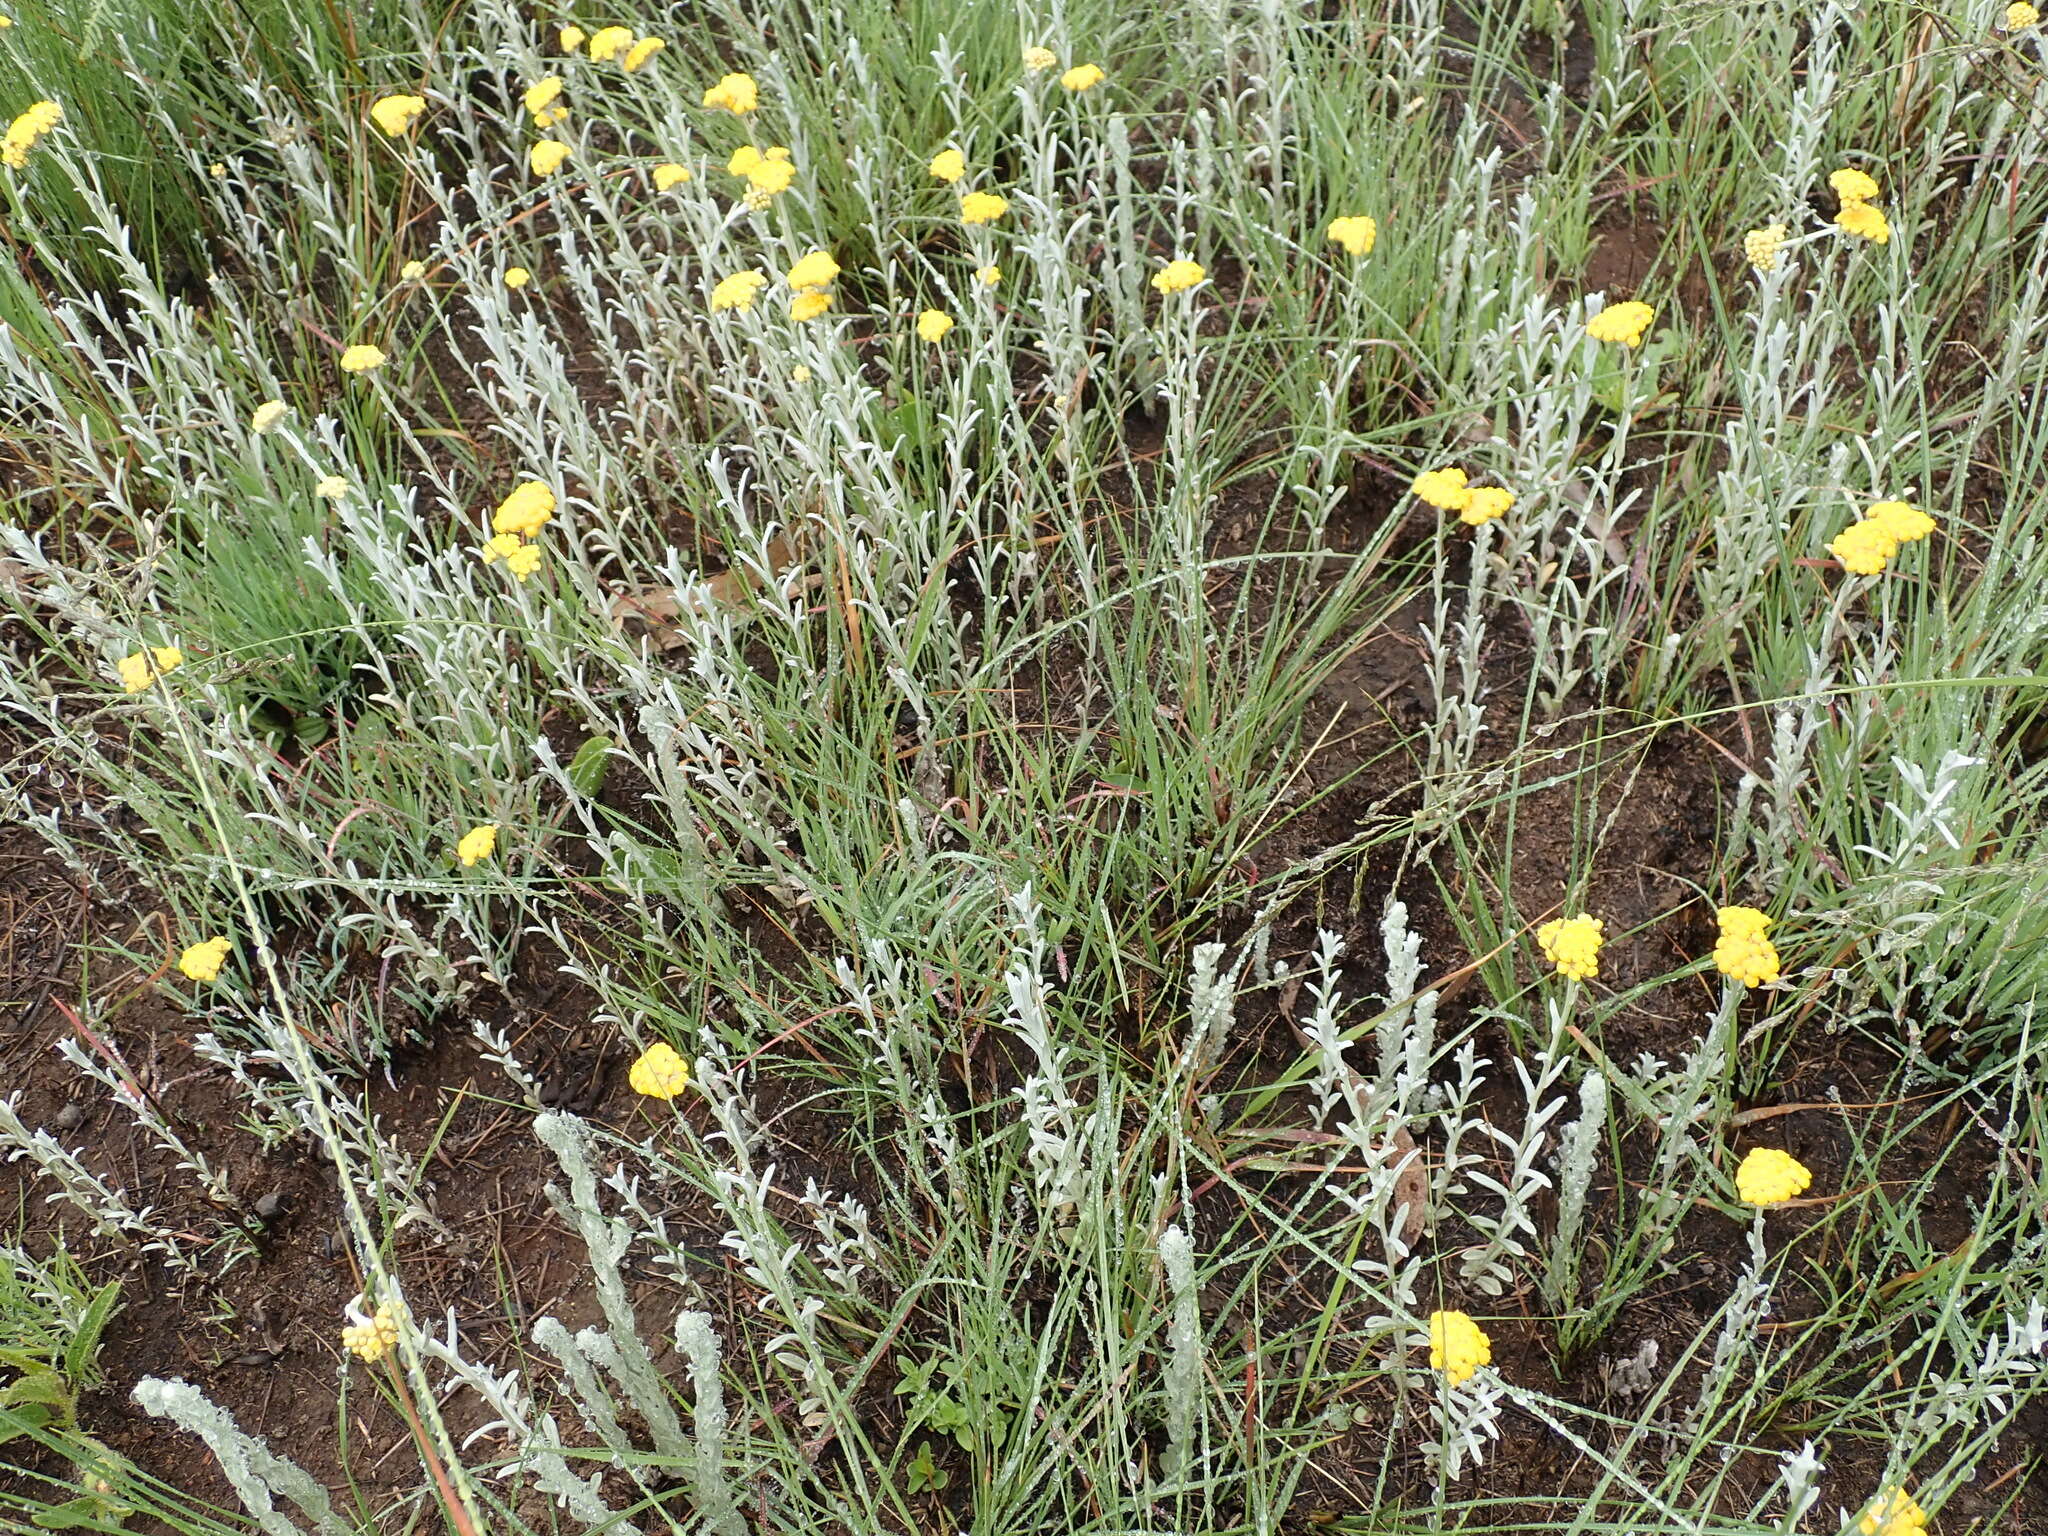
(541, 93)
(524, 511)
(988, 276)
(23, 132)
(476, 844)
(1894, 1512)
(1760, 247)
(1457, 1346)
(202, 961)
(659, 1073)
(815, 271)
(523, 561)
(1863, 548)
(670, 175)
(412, 271)
(1356, 233)
(501, 546)
(1039, 60)
(571, 38)
(1443, 488)
(546, 157)
(1742, 952)
(1082, 77)
(738, 291)
(2020, 15)
(1742, 922)
(933, 324)
(799, 374)
(218, 171)
(735, 94)
(371, 1341)
(1770, 1177)
(517, 277)
(266, 416)
(1852, 185)
(949, 165)
(1864, 222)
(1901, 519)
(771, 174)
(395, 114)
(605, 42)
(982, 208)
(362, 358)
(145, 667)
(1178, 276)
(1572, 944)
(331, 488)
(809, 305)
(1483, 503)
(641, 52)
(1624, 323)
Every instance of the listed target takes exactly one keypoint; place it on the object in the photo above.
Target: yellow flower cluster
(1457, 1346)
(659, 1073)
(202, 961)
(372, 1341)
(733, 93)
(517, 277)
(2021, 15)
(477, 844)
(948, 165)
(1355, 232)
(547, 156)
(540, 100)
(765, 172)
(1572, 944)
(395, 114)
(515, 528)
(982, 208)
(1865, 547)
(1771, 1177)
(809, 281)
(1625, 323)
(145, 667)
(606, 42)
(23, 132)
(933, 324)
(266, 416)
(1475, 504)
(1894, 1512)
(1859, 215)
(738, 291)
(1760, 247)
(1178, 276)
(362, 358)
(1742, 951)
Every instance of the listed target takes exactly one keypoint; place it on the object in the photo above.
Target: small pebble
(271, 1206)
(69, 1118)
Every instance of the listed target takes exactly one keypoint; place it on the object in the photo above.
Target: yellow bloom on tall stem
(1572, 944)
(948, 165)
(1864, 222)
(372, 1340)
(1852, 185)
(1769, 1176)
(641, 52)
(1443, 489)
(517, 277)
(605, 42)
(814, 271)
(982, 208)
(547, 157)
(2020, 15)
(477, 844)
(523, 512)
(1760, 247)
(1863, 548)
(670, 175)
(1483, 503)
(1178, 276)
(1624, 323)
(23, 132)
(1082, 77)
(542, 93)
(145, 667)
(1039, 60)
(1742, 953)
(203, 961)
(988, 276)
(809, 305)
(933, 324)
(395, 114)
(1457, 1346)
(571, 38)
(1356, 233)
(1894, 1512)
(362, 358)
(738, 291)
(1901, 519)
(735, 94)
(660, 1073)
